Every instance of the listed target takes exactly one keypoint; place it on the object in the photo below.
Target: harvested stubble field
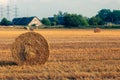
(74, 55)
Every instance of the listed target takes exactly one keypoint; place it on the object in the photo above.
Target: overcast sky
(46, 8)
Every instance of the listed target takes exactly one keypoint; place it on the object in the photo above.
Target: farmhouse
(27, 21)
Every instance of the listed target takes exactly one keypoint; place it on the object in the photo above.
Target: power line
(10, 10)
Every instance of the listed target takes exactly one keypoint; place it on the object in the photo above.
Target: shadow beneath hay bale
(72, 78)
(7, 63)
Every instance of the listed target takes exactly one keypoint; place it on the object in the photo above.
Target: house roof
(60, 20)
(22, 21)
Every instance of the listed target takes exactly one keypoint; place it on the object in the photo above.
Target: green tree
(55, 20)
(116, 16)
(5, 22)
(93, 21)
(60, 14)
(109, 16)
(96, 21)
(74, 20)
(103, 14)
(84, 21)
(46, 21)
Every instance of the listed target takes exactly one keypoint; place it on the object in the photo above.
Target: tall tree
(96, 20)
(74, 20)
(103, 14)
(46, 21)
(60, 14)
(55, 20)
(116, 16)
(84, 21)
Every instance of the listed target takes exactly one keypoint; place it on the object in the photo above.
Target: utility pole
(16, 11)
(8, 12)
(1, 11)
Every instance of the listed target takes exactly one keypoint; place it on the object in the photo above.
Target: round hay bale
(97, 30)
(30, 48)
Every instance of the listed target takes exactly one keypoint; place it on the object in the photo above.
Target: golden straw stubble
(30, 48)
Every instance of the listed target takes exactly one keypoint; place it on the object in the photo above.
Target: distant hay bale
(97, 30)
(30, 49)
(31, 29)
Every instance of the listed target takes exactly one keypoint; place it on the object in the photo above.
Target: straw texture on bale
(97, 30)
(30, 48)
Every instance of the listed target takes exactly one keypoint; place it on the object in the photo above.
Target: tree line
(103, 17)
(68, 20)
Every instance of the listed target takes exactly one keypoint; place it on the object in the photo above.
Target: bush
(5, 22)
(46, 21)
